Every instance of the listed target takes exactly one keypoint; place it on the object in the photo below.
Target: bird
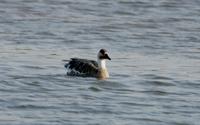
(89, 68)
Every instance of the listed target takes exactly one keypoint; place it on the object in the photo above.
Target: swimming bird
(89, 68)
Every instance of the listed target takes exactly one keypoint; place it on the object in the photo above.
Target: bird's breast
(102, 74)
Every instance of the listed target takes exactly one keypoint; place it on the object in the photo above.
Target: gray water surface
(154, 71)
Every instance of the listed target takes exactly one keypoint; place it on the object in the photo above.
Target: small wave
(136, 104)
(95, 89)
(159, 77)
(148, 119)
(108, 84)
(121, 75)
(160, 83)
(30, 106)
(32, 67)
(158, 80)
(20, 77)
(156, 92)
(45, 33)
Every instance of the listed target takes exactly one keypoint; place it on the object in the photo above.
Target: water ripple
(154, 71)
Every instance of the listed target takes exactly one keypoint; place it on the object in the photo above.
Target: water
(154, 71)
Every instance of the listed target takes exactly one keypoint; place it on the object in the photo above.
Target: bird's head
(103, 54)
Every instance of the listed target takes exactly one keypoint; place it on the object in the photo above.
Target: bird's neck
(102, 70)
(101, 63)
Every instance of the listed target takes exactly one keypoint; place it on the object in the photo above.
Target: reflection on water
(154, 72)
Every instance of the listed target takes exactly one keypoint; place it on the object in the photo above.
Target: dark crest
(103, 51)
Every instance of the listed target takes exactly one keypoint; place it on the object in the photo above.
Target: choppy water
(154, 72)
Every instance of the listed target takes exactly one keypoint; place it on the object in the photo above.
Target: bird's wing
(84, 67)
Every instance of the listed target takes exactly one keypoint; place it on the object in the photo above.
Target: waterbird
(89, 68)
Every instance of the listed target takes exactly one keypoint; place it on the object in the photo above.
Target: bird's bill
(107, 57)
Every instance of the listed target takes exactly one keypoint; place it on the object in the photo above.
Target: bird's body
(82, 67)
(89, 68)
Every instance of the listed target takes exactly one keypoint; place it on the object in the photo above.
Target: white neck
(101, 63)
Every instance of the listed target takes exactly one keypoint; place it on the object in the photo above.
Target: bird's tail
(66, 65)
